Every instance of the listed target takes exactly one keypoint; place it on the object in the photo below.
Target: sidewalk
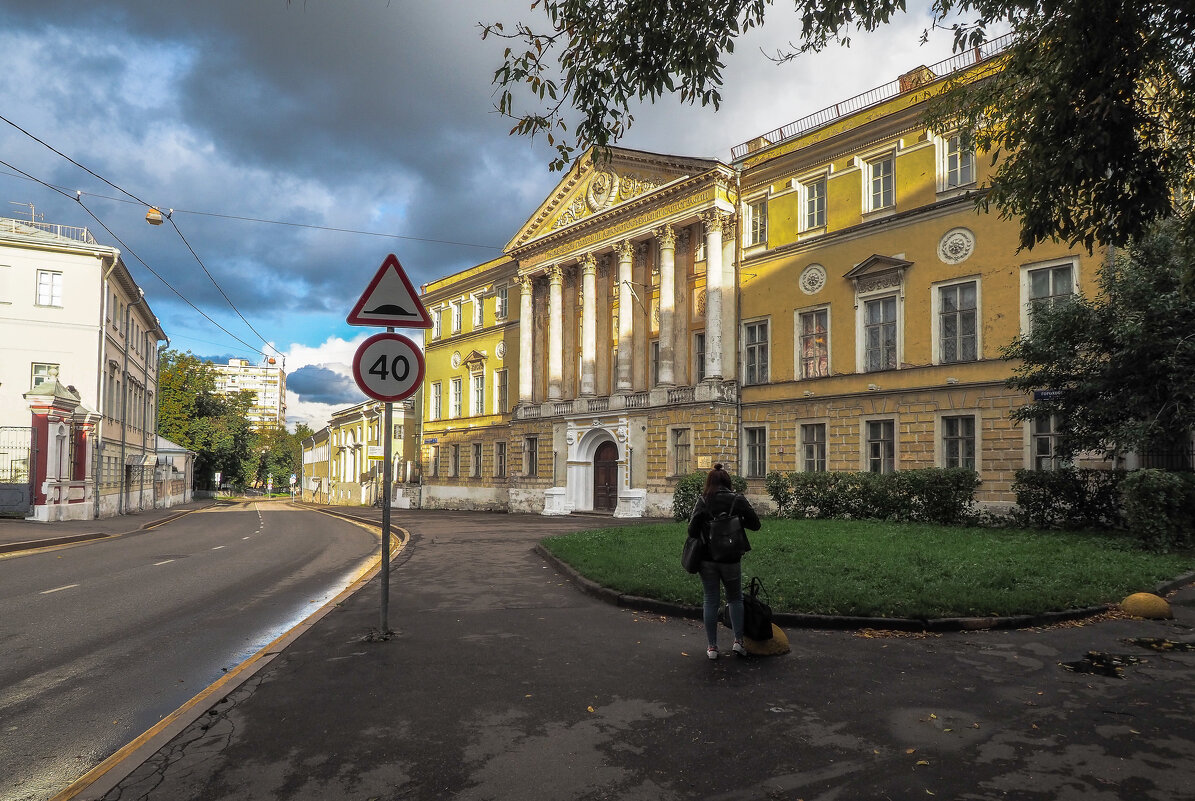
(504, 681)
(24, 535)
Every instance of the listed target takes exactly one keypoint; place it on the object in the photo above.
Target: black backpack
(725, 538)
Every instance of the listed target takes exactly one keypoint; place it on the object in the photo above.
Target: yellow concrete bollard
(774, 647)
(1147, 605)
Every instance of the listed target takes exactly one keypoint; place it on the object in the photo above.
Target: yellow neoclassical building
(829, 299)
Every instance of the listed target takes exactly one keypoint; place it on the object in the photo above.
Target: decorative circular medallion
(603, 187)
(501, 350)
(456, 359)
(813, 279)
(956, 245)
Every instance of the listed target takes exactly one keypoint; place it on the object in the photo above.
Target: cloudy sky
(300, 143)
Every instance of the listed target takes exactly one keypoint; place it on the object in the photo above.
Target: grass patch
(876, 569)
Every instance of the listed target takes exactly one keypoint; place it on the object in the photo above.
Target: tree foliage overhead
(1125, 359)
(1093, 117)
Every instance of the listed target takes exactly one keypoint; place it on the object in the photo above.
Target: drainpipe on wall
(159, 350)
(738, 313)
(124, 402)
(101, 387)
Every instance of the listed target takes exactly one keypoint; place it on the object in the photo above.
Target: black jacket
(721, 501)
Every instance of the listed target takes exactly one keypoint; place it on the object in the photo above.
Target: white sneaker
(739, 648)
(711, 652)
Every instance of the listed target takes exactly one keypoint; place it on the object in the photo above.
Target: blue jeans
(731, 575)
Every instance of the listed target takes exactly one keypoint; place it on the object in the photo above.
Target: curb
(50, 542)
(843, 622)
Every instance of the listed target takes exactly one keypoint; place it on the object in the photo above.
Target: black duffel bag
(757, 614)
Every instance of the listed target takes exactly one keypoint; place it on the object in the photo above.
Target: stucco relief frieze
(873, 283)
(605, 189)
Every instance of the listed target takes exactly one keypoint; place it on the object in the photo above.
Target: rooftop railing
(33, 228)
(872, 97)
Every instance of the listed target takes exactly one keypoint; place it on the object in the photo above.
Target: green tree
(1124, 360)
(1093, 117)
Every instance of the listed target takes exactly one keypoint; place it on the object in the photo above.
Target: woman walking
(716, 498)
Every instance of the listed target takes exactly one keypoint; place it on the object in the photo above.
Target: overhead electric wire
(126, 249)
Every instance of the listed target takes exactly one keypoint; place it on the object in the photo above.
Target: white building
(69, 308)
(265, 381)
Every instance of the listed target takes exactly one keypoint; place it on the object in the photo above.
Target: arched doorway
(605, 477)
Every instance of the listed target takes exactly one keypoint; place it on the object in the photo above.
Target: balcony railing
(34, 228)
(680, 395)
(640, 400)
(871, 97)
(719, 391)
(598, 404)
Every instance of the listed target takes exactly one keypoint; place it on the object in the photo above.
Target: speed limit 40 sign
(388, 367)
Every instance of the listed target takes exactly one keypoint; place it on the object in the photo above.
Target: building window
(501, 302)
(434, 458)
(755, 357)
(437, 320)
(960, 163)
(49, 288)
(455, 466)
(682, 452)
(1048, 286)
(957, 323)
(500, 460)
(436, 409)
(881, 446)
(655, 363)
(958, 442)
(813, 204)
(475, 464)
(479, 394)
(815, 343)
(756, 440)
(880, 177)
(42, 373)
(501, 392)
(1043, 436)
(455, 400)
(478, 311)
(531, 456)
(456, 317)
(757, 222)
(698, 357)
(879, 333)
(813, 447)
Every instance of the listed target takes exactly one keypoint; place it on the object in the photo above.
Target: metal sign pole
(387, 447)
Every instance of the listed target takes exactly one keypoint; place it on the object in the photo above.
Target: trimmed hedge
(1159, 508)
(688, 490)
(932, 495)
(1074, 498)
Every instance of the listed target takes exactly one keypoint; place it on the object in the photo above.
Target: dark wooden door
(605, 477)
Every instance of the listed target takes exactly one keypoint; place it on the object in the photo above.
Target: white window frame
(50, 372)
(767, 351)
(475, 460)
(869, 164)
(54, 284)
(500, 459)
(1031, 438)
(940, 437)
(501, 302)
(433, 458)
(798, 345)
(437, 322)
(478, 311)
(531, 457)
(936, 318)
(673, 460)
(805, 184)
(755, 224)
(477, 390)
(1027, 269)
(455, 399)
(698, 357)
(948, 185)
(457, 315)
(802, 444)
(499, 377)
(862, 299)
(436, 410)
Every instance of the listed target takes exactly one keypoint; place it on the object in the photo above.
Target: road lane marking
(244, 538)
(166, 562)
(218, 547)
(58, 589)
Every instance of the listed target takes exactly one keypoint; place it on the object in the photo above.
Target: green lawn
(875, 569)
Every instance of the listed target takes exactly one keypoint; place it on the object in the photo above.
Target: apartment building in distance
(828, 299)
(266, 381)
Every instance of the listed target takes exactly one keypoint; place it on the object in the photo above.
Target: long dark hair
(716, 480)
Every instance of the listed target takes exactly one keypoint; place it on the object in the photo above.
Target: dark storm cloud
(320, 385)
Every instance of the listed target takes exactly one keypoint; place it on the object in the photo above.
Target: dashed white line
(244, 538)
(58, 589)
(164, 562)
(218, 547)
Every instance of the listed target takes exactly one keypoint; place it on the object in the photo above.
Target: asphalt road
(99, 642)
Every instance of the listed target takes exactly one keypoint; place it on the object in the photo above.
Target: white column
(729, 302)
(588, 324)
(526, 334)
(626, 309)
(555, 332)
(713, 294)
(667, 238)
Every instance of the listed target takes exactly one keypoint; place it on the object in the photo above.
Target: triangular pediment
(475, 358)
(590, 188)
(876, 264)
